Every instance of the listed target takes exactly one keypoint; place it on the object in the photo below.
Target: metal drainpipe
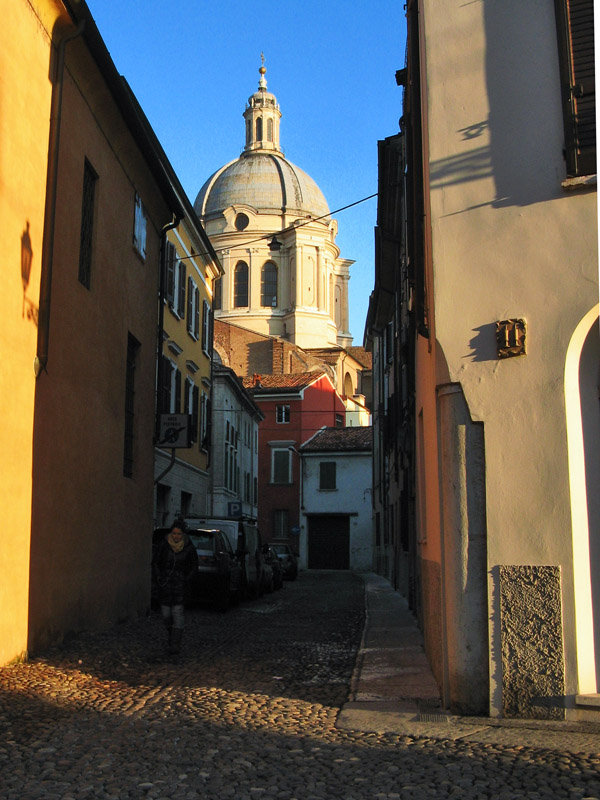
(176, 219)
(41, 358)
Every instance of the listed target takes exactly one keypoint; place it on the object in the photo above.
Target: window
(282, 414)
(203, 438)
(281, 523)
(259, 129)
(206, 327)
(240, 285)
(268, 285)
(241, 222)
(281, 465)
(87, 223)
(270, 130)
(339, 420)
(218, 294)
(139, 227)
(133, 347)
(327, 478)
(255, 496)
(175, 281)
(170, 387)
(191, 405)
(232, 472)
(575, 29)
(193, 309)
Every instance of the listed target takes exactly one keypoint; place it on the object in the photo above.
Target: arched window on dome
(248, 131)
(269, 130)
(240, 285)
(268, 285)
(259, 129)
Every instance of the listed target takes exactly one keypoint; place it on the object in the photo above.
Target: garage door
(329, 542)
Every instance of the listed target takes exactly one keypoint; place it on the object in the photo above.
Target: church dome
(265, 181)
(262, 177)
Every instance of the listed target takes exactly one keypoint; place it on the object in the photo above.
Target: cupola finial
(262, 84)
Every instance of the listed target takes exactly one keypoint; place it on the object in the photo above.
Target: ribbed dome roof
(265, 181)
(262, 177)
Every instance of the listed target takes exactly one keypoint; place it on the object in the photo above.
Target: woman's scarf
(176, 547)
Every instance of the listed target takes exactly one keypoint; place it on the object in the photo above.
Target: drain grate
(433, 717)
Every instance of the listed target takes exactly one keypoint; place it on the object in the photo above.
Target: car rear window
(202, 541)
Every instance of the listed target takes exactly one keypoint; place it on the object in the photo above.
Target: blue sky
(193, 64)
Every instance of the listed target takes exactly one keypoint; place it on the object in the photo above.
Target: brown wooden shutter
(170, 273)
(575, 23)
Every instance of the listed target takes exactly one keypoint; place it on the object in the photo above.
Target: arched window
(240, 285)
(217, 296)
(268, 285)
(248, 131)
(259, 129)
(270, 130)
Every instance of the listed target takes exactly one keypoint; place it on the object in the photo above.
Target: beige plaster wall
(508, 241)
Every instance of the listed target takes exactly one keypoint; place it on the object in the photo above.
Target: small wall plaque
(511, 337)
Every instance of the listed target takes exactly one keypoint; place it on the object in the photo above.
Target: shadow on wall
(509, 146)
(29, 309)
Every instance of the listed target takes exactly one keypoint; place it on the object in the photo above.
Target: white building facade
(234, 448)
(336, 530)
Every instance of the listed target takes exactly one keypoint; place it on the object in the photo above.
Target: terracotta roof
(362, 356)
(281, 383)
(344, 439)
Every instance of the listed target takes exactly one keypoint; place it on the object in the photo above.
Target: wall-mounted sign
(175, 430)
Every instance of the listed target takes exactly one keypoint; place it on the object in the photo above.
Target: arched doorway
(582, 378)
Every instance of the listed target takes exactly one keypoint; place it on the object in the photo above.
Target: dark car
(288, 559)
(271, 558)
(219, 577)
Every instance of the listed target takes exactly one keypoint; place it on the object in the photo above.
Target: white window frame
(193, 309)
(278, 450)
(282, 414)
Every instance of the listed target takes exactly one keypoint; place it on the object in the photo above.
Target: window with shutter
(181, 298)
(87, 224)
(170, 257)
(575, 28)
(195, 414)
(190, 307)
(327, 481)
(281, 460)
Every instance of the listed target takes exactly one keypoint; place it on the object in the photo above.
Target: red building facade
(295, 407)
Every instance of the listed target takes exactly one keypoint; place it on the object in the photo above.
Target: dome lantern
(262, 117)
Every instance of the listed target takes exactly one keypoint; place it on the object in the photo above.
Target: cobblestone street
(248, 710)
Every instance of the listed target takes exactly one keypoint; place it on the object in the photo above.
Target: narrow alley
(250, 709)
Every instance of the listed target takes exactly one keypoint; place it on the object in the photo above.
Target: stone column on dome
(299, 265)
(319, 274)
(345, 315)
(253, 285)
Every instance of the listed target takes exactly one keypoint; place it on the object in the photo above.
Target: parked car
(244, 538)
(288, 559)
(271, 558)
(219, 576)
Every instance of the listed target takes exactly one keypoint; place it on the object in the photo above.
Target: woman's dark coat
(173, 570)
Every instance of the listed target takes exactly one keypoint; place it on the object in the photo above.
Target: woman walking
(175, 562)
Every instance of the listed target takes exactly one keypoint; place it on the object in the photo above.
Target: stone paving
(247, 711)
